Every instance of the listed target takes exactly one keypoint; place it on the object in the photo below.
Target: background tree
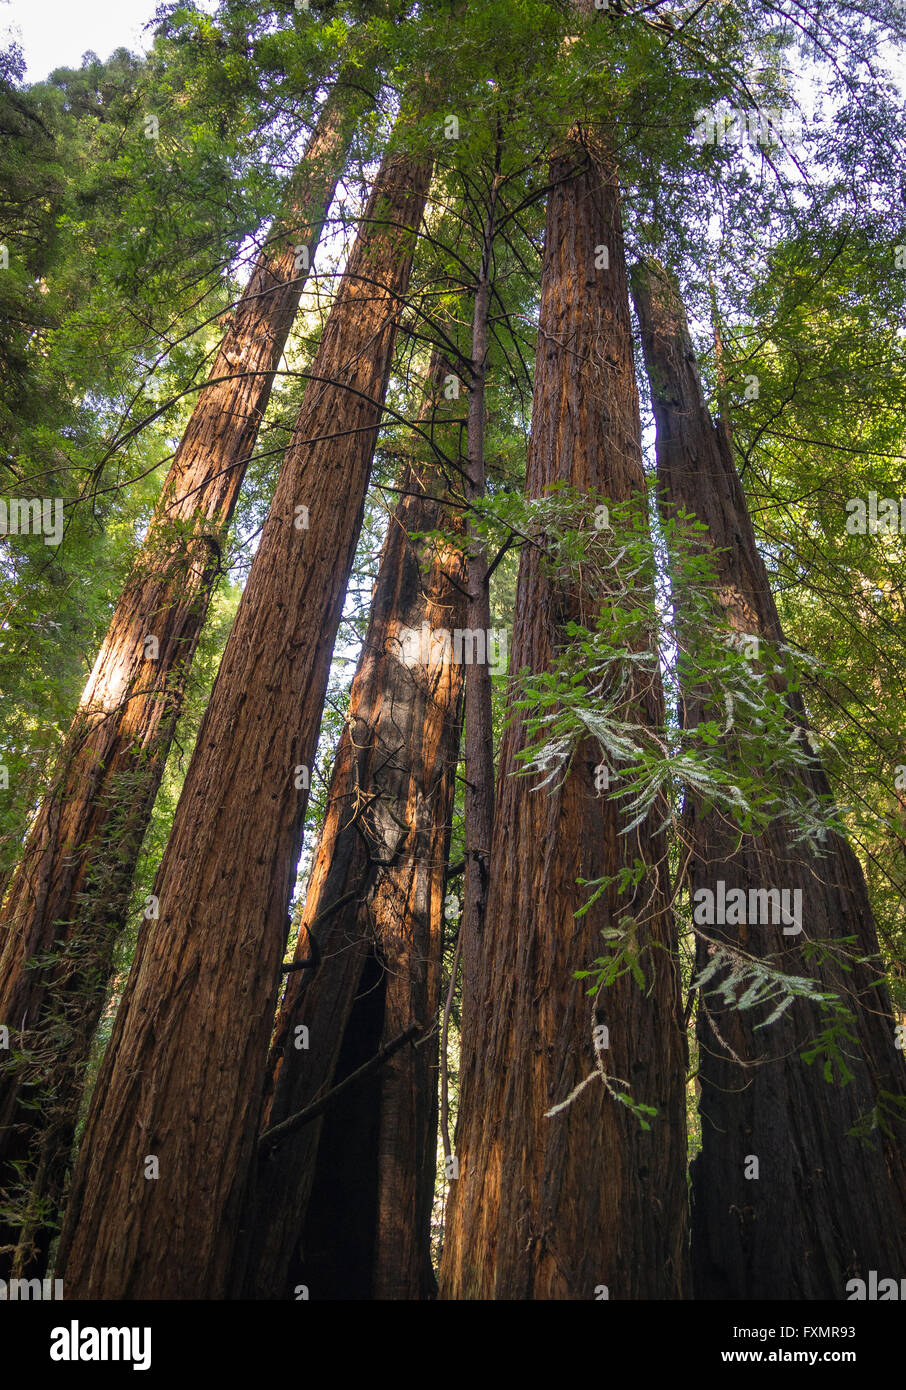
(67, 900)
(837, 1198)
(299, 573)
(343, 1203)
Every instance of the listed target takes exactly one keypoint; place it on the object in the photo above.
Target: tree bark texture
(183, 1074)
(557, 1207)
(344, 1206)
(479, 723)
(73, 883)
(825, 1207)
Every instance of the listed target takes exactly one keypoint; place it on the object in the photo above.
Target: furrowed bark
(73, 882)
(344, 1205)
(478, 810)
(825, 1207)
(182, 1077)
(555, 1207)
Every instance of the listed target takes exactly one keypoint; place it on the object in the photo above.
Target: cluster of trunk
(225, 1155)
(343, 1203)
(824, 1206)
(67, 899)
(564, 1206)
(183, 1074)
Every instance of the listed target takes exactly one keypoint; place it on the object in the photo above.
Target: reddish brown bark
(73, 882)
(184, 1069)
(479, 725)
(556, 1207)
(825, 1207)
(344, 1206)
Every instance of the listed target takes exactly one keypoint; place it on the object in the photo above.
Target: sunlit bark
(183, 1073)
(73, 882)
(557, 1207)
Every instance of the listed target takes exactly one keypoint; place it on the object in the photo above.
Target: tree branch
(274, 1136)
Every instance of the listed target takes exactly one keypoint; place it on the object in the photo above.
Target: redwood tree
(184, 1069)
(344, 1203)
(563, 1206)
(66, 902)
(824, 1207)
(479, 739)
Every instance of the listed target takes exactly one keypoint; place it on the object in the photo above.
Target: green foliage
(743, 754)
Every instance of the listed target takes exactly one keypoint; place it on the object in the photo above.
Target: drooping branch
(272, 1137)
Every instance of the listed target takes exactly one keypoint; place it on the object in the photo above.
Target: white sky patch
(55, 33)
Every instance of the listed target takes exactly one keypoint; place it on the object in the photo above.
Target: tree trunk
(557, 1207)
(73, 883)
(184, 1069)
(825, 1207)
(344, 1205)
(478, 809)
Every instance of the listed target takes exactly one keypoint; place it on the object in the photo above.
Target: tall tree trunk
(344, 1204)
(825, 1207)
(557, 1207)
(73, 883)
(183, 1073)
(479, 740)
